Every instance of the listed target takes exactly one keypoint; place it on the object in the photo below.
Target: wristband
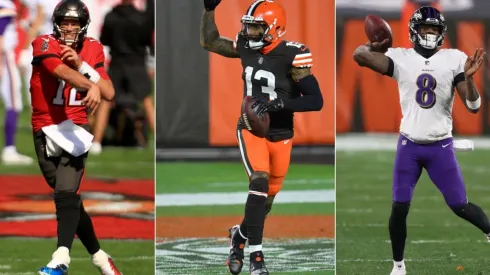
(474, 105)
(89, 72)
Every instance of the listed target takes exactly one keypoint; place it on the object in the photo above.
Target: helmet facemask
(255, 32)
(70, 37)
(429, 39)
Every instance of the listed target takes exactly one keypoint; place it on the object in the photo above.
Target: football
(377, 30)
(255, 124)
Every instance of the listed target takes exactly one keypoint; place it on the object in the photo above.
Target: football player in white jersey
(10, 84)
(39, 22)
(426, 76)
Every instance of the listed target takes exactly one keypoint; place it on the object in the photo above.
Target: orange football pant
(260, 154)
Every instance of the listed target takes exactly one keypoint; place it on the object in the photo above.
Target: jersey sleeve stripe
(309, 65)
(38, 59)
(99, 65)
(303, 61)
(303, 55)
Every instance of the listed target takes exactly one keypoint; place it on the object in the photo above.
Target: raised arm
(465, 82)
(211, 39)
(376, 61)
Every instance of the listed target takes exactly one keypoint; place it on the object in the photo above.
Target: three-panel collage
(214, 137)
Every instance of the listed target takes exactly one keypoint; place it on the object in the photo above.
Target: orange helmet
(270, 16)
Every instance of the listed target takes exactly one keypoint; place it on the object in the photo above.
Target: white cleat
(399, 268)
(10, 156)
(95, 149)
(104, 263)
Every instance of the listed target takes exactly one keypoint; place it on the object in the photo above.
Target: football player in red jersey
(68, 78)
(277, 72)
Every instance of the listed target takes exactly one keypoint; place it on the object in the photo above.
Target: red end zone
(120, 209)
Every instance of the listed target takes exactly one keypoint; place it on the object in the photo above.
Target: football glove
(210, 5)
(271, 106)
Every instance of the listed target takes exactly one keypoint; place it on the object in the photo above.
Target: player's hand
(210, 5)
(474, 62)
(377, 46)
(92, 99)
(70, 57)
(272, 106)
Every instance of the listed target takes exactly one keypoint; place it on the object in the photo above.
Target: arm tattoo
(298, 73)
(211, 40)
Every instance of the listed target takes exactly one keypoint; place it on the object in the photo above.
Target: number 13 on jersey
(258, 75)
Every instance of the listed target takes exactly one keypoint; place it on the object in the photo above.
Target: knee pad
(259, 184)
(65, 200)
(400, 209)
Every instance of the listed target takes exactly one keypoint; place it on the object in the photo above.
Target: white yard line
(286, 182)
(238, 198)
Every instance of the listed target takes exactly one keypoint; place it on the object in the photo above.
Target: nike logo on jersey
(444, 146)
(286, 141)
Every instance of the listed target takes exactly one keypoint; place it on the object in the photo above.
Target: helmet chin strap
(424, 51)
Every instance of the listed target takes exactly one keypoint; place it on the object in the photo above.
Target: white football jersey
(7, 4)
(48, 8)
(426, 88)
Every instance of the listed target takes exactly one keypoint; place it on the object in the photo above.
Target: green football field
(438, 241)
(198, 202)
(128, 170)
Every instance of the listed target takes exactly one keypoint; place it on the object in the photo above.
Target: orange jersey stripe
(303, 60)
(308, 65)
(303, 56)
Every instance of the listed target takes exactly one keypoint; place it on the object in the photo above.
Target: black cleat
(235, 257)
(257, 264)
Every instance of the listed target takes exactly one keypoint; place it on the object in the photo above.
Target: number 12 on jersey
(261, 74)
(59, 99)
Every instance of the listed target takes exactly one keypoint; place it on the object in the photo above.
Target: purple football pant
(4, 21)
(439, 161)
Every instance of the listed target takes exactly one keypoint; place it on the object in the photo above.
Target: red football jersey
(53, 100)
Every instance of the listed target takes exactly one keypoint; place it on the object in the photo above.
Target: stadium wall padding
(199, 94)
(182, 80)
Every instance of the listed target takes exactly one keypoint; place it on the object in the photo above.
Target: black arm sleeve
(458, 78)
(391, 67)
(312, 99)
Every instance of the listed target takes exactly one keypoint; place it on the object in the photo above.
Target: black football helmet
(71, 9)
(427, 16)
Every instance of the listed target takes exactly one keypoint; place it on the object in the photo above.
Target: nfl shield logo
(427, 62)
(261, 60)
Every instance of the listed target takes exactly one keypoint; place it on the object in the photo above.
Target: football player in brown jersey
(277, 72)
